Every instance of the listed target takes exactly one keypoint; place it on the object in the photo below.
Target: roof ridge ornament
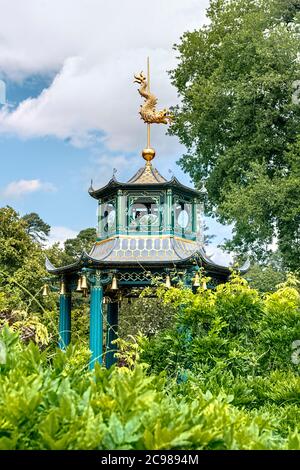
(148, 112)
(91, 186)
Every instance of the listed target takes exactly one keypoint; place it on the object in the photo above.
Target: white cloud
(94, 47)
(101, 168)
(60, 235)
(19, 188)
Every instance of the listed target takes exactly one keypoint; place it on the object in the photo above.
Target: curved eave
(69, 268)
(226, 269)
(88, 261)
(114, 184)
(175, 182)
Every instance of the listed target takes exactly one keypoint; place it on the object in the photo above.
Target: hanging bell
(168, 282)
(196, 282)
(79, 288)
(83, 282)
(204, 286)
(62, 288)
(114, 283)
(45, 291)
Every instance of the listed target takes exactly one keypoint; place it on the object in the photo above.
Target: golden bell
(46, 290)
(168, 282)
(204, 286)
(114, 283)
(62, 288)
(196, 282)
(79, 288)
(83, 282)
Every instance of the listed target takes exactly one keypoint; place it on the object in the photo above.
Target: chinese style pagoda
(148, 227)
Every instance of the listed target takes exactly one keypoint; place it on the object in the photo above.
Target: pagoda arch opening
(184, 217)
(144, 215)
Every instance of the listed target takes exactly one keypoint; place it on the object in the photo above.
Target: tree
(83, 242)
(266, 276)
(15, 242)
(236, 78)
(22, 263)
(36, 227)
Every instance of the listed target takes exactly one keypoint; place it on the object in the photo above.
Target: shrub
(232, 327)
(61, 405)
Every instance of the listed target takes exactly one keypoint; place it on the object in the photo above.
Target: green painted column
(64, 320)
(96, 322)
(112, 333)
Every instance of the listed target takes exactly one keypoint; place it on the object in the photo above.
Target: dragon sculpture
(148, 112)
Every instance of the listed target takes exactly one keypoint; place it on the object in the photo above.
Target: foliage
(29, 327)
(232, 327)
(36, 227)
(62, 405)
(235, 341)
(239, 119)
(218, 375)
(22, 270)
(146, 315)
(14, 241)
(84, 241)
(266, 276)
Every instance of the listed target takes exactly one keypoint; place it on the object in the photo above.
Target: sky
(71, 112)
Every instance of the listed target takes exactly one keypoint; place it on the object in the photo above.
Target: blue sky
(72, 109)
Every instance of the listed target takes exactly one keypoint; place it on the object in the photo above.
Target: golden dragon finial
(148, 111)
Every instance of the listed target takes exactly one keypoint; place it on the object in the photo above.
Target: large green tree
(239, 119)
(22, 262)
(36, 227)
(15, 243)
(84, 241)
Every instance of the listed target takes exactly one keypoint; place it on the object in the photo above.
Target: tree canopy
(83, 242)
(36, 227)
(239, 119)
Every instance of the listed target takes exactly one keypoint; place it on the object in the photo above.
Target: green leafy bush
(232, 328)
(61, 405)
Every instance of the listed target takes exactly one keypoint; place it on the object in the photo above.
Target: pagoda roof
(146, 177)
(126, 251)
(147, 174)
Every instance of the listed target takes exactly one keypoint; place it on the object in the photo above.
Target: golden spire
(148, 111)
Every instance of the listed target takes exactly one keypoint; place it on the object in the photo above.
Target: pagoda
(148, 227)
